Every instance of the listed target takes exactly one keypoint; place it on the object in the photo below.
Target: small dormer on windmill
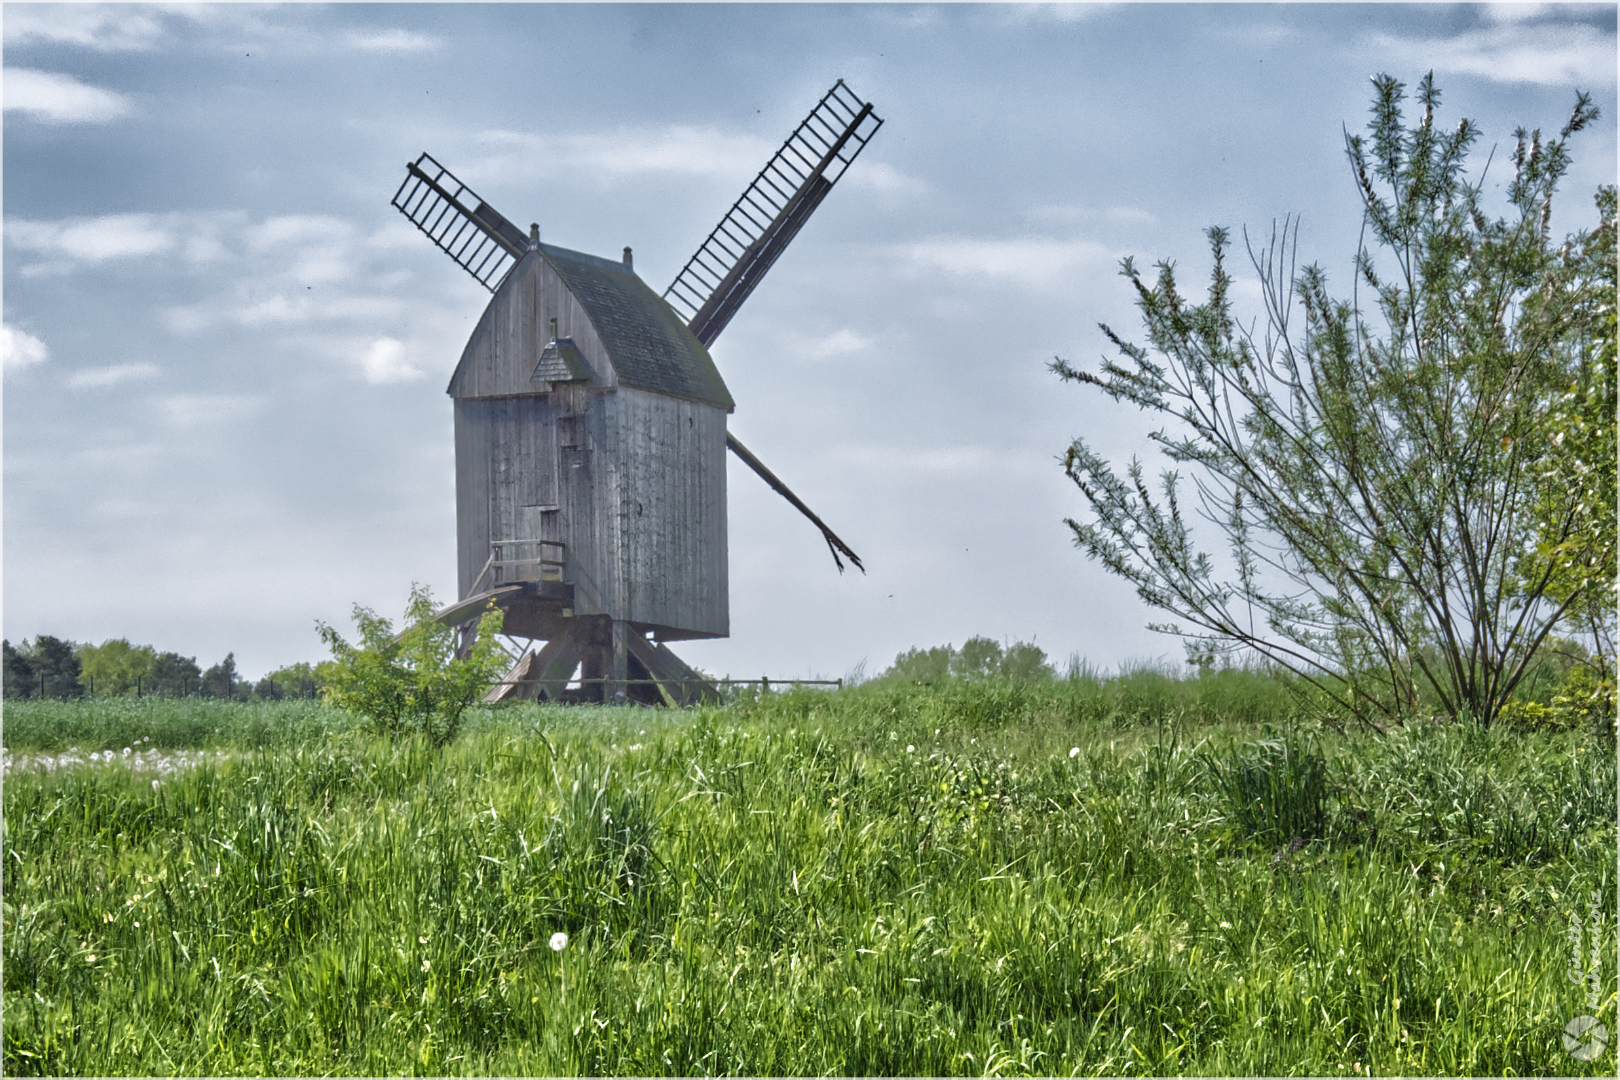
(591, 427)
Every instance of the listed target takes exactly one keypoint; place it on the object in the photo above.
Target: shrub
(412, 682)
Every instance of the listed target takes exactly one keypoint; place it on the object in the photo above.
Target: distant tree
(221, 680)
(114, 666)
(978, 658)
(293, 681)
(55, 667)
(1025, 662)
(20, 680)
(175, 674)
(1382, 490)
(924, 666)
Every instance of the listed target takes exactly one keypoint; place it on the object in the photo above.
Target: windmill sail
(465, 227)
(834, 544)
(758, 227)
(736, 255)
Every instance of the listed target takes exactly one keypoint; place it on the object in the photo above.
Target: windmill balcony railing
(526, 560)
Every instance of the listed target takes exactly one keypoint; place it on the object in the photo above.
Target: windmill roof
(648, 344)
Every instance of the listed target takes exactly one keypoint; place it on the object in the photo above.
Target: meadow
(1128, 875)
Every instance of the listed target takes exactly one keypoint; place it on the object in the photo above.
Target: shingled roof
(648, 344)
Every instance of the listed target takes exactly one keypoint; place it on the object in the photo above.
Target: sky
(225, 353)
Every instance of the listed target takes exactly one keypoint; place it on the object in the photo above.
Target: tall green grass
(1084, 877)
(111, 723)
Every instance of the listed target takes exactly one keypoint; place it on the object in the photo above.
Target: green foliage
(175, 674)
(20, 682)
(222, 681)
(1274, 790)
(46, 667)
(1585, 699)
(922, 666)
(115, 666)
(412, 683)
(294, 681)
(978, 658)
(1382, 490)
(813, 883)
(1577, 511)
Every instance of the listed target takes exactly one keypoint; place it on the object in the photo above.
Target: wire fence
(232, 689)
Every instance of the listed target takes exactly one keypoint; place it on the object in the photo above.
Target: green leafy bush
(412, 682)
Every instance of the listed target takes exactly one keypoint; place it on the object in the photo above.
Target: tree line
(51, 667)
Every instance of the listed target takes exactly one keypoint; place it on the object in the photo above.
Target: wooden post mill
(590, 428)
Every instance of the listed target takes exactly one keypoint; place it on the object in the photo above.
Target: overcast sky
(225, 353)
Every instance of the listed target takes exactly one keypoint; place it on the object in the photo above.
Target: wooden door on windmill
(523, 490)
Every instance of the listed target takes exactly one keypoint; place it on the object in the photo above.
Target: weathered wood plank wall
(638, 478)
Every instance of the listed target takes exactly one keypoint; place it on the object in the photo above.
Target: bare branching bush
(1401, 532)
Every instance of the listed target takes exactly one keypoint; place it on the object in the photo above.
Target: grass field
(1103, 876)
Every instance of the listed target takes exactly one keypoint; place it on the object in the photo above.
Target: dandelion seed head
(559, 941)
(1074, 751)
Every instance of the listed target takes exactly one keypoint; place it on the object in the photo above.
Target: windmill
(590, 426)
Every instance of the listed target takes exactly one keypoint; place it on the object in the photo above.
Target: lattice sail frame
(465, 227)
(735, 256)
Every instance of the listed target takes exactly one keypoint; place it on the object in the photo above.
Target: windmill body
(590, 427)
(590, 449)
